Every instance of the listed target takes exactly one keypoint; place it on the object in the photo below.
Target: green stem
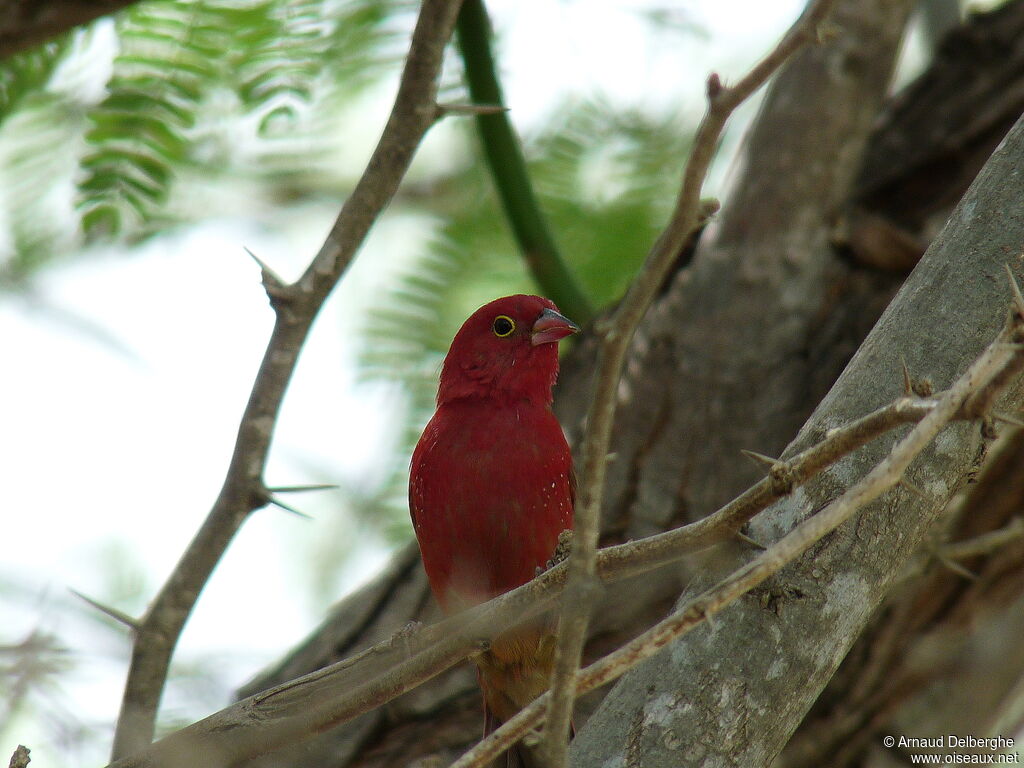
(508, 169)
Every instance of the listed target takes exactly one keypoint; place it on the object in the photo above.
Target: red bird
(491, 484)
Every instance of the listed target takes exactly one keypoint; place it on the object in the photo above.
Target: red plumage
(491, 483)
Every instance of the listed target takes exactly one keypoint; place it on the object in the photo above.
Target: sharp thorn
(281, 505)
(113, 613)
(303, 488)
(709, 206)
(260, 262)
(271, 280)
(1018, 298)
(1005, 417)
(747, 540)
(908, 382)
(904, 483)
(958, 569)
(759, 458)
(470, 109)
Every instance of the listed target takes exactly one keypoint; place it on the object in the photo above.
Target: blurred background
(140, 157)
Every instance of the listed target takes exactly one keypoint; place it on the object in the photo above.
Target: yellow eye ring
(503, 326)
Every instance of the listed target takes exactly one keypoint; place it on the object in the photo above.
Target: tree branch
(505, 160)
(983, 543)
(615, 335)
(299, 708)
(295, 306)
(27, 23)
(1005, 353)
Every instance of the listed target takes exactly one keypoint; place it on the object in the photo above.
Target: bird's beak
(551, 326)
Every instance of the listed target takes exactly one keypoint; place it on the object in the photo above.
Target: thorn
(709, 206)
(281, 505)
(747, 540)
(443, 110)
(113, 613)
(904, 483)
(908, 382)
(1018, 298)
(264, 267)
(958, 569)
(759, 458)
(276, 287)
(1007, 418)
(303, 488)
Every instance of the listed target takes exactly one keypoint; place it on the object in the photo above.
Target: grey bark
(733, 694)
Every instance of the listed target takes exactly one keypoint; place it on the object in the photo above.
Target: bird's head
(506, 350)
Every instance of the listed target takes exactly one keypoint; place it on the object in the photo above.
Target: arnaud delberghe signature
(952, 741)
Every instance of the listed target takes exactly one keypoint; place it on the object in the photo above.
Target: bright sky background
(118, 454)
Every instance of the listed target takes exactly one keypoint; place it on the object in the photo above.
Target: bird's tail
(519, 755)
(515, 671)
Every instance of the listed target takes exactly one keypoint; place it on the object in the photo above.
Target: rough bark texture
(735, 358)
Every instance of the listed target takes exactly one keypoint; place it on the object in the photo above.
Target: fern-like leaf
(27, 73)
(138, 133)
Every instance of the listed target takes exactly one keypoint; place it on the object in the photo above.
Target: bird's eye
(503, 326)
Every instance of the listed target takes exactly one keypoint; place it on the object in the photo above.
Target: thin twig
(505, 160)
(296, 306)
(615, 335)
(984, 543)
(989, 366)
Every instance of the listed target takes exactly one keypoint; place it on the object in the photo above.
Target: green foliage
(34, 140)
(26, 74)
(176, 57)
(198, 90)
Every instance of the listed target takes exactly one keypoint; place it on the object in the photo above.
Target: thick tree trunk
(735, 354)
